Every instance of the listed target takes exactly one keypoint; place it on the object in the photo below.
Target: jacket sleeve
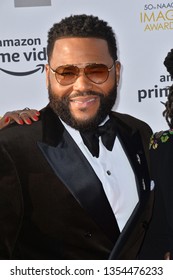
(11, 206)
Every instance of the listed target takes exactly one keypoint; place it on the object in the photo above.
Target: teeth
(76, 101)
(91, 100)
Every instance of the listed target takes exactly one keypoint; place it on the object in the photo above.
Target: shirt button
(88, 234)
(108, 172)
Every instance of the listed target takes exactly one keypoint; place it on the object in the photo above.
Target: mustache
(85, 93)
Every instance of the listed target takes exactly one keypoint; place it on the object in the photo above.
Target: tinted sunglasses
(68, 74)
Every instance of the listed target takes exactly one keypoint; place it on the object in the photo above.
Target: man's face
(82, 104)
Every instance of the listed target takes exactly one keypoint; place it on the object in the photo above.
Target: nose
(82, 83)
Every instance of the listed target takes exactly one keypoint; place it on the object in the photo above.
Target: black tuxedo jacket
(52, 204)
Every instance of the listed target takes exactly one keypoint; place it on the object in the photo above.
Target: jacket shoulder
(132, 122)
(15, 131)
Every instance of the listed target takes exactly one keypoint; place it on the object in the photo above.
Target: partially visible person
(158, 243)
(25, 116)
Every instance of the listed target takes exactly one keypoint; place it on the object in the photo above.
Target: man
(62, 197)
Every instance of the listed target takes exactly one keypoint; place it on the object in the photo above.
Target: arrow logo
(40, 67)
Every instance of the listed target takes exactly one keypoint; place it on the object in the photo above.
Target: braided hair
(168, 112)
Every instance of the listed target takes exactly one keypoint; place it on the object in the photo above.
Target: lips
(84, 101)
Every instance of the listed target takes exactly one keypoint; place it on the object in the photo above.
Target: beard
(61, 107)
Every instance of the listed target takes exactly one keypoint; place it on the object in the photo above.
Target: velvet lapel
(132, 145)
(70, 165)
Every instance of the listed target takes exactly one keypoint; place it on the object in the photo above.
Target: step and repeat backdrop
(144, 32)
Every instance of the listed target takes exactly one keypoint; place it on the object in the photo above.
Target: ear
(47, 70)
(117, 71)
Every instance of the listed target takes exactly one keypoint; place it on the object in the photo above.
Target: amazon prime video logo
(31, 3)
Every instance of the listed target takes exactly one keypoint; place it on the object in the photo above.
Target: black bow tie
(107, 132)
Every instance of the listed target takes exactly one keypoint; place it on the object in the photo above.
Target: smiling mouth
(84, 99)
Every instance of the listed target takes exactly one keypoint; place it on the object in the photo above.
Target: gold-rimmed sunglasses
(68, 74)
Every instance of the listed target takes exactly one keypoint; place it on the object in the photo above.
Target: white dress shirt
(116, 175)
